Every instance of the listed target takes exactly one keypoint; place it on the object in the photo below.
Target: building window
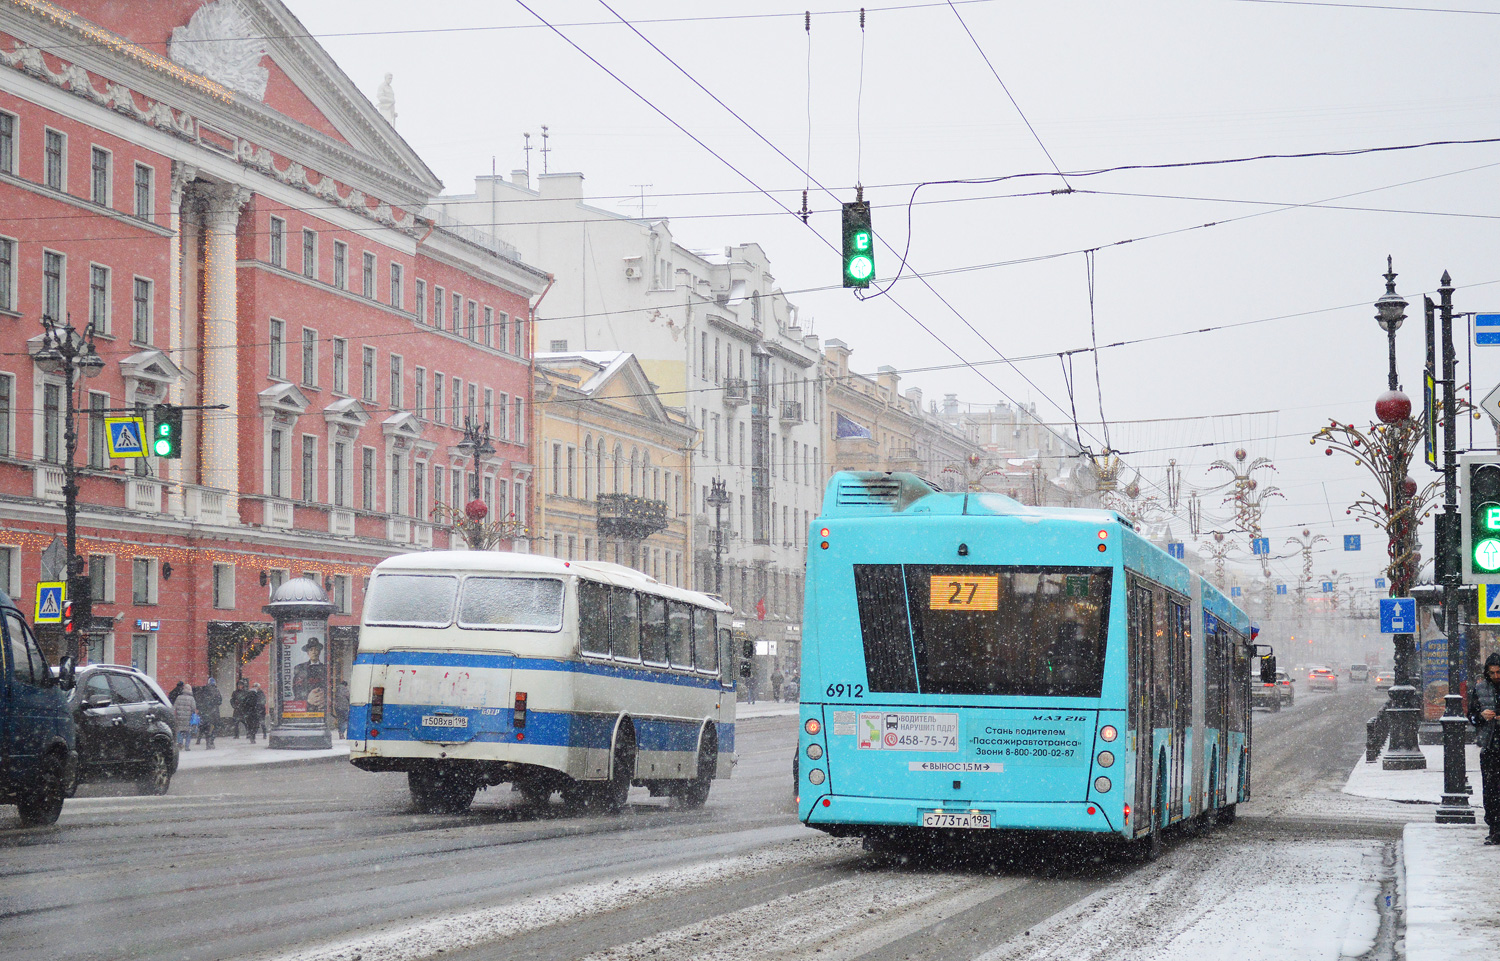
(472, 412)
(309, 357)
(52, 411)
(473, 321)
(340, 596)
(144, 175)
(278, 242)
(54, 299)
(502, 417)
(419, 489)
(277, 457)
(395, 382)
(278, 348)
(7, 414)
(557, 346)
(98, 448)
(520, 429)
(572, 472)
(367, 478)
(556, 468)
(419, 392)
(458, 402)
(224, 586)
(437, 307)
(395, 503)
(53, 172)
(310, 254)
(367, 382)
(101, 578)
(309, 468)
(340, 365)
(99, 176)
(369, 275)
(99, 298)
(437, 397)
(340, 474)
(421, 305)
(341, 265)
(7, 274)
(396, 286)
(489, 325)
(458, 487)
(437, 486)
(141, 312)
(455, 319)
(7, 142)
(502, 332)
(143, 580)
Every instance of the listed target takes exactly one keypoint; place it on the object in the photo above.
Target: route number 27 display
(964, 592)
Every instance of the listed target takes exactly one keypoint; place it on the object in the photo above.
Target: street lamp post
(67, 352)
(718, 496)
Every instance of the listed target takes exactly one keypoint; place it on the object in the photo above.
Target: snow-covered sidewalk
(1452, 909)
(229, 752)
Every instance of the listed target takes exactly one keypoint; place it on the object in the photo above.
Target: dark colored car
(124, 725)
(36, 735)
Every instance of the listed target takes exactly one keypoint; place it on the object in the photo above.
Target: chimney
(520, 178)
(568, 186)
(887, 377)
(950, 403)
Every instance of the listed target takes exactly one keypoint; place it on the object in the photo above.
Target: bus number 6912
(846, 690)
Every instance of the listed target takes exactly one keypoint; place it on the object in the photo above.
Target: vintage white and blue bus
(972, 662)
(478, 668)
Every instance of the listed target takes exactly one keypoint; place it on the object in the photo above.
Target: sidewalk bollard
(1376, 729)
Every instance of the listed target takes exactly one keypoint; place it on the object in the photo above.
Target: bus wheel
(1227, 814)
(534, 793)
(612, 796)
(441, 789)
(694, 794)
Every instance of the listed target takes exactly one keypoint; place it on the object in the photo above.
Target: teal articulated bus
(970, 662)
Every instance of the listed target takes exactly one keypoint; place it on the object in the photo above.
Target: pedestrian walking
(239, 706)
(1484, 706)
(186, 707)
(341, 708)
(777, 679)
(175, 692)
(255, 711)
(209, 701)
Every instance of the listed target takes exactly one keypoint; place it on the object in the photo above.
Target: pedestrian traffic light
(166, 431)
(859, 245)
(67, 617)
(1479, 512)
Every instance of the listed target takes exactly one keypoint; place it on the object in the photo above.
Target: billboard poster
(303, 679)
(1434, 660)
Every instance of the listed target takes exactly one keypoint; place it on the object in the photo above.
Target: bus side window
(726, 654)
(593, 618)
(625, 624)
(680, 635)
(653, 629)
(705, 650)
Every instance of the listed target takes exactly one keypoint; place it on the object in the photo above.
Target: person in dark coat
(239, 705)
(1484, 706)
(175, 691)
(255, 711)
(341, 708)
(209, 702)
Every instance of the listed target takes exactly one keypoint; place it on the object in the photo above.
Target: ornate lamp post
(479, 534)
(67, 352)
(718, 496)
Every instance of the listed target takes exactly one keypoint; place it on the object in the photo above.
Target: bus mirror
(66, 669)
(1268, 669)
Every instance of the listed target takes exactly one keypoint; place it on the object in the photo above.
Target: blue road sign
(1379, 582)
(125, 436)
(1234, 592)
(1177, 550)
(1351, 542)
(1260, 545)
(1489, 603)
(1281, 588)
(1328, 587)
(49, 602)
(1487, 330)
(1398, 615)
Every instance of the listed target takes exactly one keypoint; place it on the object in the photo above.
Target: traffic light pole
(1455, 808)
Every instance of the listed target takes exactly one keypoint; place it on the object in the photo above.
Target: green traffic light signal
(167, 431)
(859, 245)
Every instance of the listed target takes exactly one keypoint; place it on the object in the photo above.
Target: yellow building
(613, 470)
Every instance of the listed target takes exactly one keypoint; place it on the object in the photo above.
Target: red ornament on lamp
(476, 509)
(1392, 406)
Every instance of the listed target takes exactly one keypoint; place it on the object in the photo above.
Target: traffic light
(859, 245)
(166, 431)
(68, 617)
(1479, 512)
(78, 608)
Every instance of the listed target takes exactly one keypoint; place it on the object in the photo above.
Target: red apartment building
(242, 227)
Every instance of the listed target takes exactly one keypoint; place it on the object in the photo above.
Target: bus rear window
(411, 600)
(511, 604)
(1017, 631)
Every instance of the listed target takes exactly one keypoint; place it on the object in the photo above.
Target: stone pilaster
(218, 449)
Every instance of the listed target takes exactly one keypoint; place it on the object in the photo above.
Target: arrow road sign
(1234, 592)
(1398, 615)
(1260, 545)
(1281, 588)
(125, 436)
(1351, 542)
(1487, 330)
(49, 602)
(1176, 549)
(1328, 587)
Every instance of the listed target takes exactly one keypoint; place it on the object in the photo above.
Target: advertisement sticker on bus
(908, 732)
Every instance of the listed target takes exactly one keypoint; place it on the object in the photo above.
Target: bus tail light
(519, 721)
(1108, 733)
(1127, 814)
(813, 726)
(377, 705)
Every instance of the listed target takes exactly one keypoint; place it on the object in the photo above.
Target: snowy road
(325, 862)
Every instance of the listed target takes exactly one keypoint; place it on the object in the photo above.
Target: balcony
(207, 506)
(341, 523)
(398, 529)
(631, 518)
(421, 535)
(47, 483)
(791, 412)
(736, 392)
(144, 496)
(279, 514)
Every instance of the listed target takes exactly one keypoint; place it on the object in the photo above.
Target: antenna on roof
(527, 151)
(545, 148)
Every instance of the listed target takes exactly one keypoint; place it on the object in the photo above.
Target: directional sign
(49, 602)
(1487, 330)
(1260, 545)
(1281, 588)
(1234, 592)
(1489, 603)
(1351, 542)
(1398, 615)
(1177, 550)
(1379, 582)
(125, 436)
(1487, 554)
(1328, 587)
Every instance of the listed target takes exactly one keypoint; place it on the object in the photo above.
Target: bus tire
(534, 793)
(440, 789)
(694, 794)
(612, 796)
(42, 805)
(1227, 814)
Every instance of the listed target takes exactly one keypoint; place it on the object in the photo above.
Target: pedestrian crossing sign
(1489, 603)
(49, 602)
(125, 436)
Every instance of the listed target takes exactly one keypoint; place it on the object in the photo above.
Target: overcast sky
(1298, 244)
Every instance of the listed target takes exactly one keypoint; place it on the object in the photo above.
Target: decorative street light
(1390, 311)
(718, 496)
(66, 352)
(480, 534)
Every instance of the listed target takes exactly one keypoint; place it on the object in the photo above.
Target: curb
(277, 763)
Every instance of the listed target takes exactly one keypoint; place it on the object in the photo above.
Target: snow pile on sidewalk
(1452, 892)
(1370, 779)
(1236, 901)
(229, 752)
